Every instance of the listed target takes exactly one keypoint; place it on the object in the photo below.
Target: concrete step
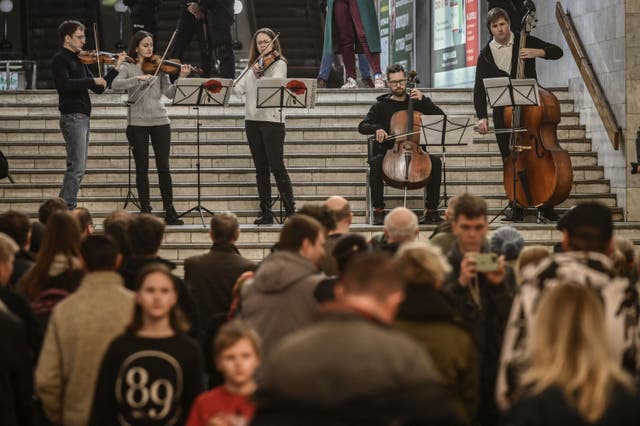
(243, 159)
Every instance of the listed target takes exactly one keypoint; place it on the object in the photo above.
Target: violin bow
(262, 55)
(95, 39)
(134, 97)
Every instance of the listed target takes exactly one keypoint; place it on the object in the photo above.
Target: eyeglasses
(263, 42)
(397, 82)
(80, 37)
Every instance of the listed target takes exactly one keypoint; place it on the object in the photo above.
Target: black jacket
(549, 408)
(73, 81)
(16, 374)
(379, 116)
(487, 68)
(23, 262)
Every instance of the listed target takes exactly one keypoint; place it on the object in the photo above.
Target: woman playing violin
(148, 119)
(265, 126)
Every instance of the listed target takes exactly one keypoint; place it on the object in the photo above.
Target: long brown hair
(61, 236)
(177, 321)
(135, 41)
(254, 52)
(569, 349)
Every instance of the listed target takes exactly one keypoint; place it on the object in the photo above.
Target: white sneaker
(378, 82)
(350, 84)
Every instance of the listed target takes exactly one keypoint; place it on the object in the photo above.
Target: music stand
(502, 92)
(197, 92)
(285, 93)
(436, 128)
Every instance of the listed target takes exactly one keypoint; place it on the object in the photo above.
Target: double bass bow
(538, 172)
(406, 165)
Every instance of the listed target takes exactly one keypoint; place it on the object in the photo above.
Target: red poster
(472, 32)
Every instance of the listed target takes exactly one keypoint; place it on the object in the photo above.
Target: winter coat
(369, 19)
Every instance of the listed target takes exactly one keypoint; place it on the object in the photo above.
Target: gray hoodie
(149, 109)
(279, 300)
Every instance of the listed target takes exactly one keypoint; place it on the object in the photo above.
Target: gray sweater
(149, 109)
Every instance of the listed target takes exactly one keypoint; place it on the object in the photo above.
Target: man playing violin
(499, 58)
(73, 81)
(378, 122)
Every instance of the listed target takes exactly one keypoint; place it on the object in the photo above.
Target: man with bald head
(400, 226)
(341, 210)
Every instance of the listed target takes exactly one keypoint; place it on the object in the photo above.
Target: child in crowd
(237, 356)
(151, 374)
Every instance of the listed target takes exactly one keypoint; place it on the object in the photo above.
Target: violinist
(73, 80)
(265, 126)
(378, 122)
(148, 119)
(499, 58)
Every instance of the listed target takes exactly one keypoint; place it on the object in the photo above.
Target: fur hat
(507, 241)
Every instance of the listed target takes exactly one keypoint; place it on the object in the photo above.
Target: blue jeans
(75, 130)
(327, 61)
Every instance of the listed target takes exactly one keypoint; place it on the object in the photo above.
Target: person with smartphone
(483, 288)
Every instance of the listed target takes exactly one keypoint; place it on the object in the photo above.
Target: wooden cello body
(406, 165)
(543, 171)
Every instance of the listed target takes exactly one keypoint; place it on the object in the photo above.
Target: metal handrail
(589, 76)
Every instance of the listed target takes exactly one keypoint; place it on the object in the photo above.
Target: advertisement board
(397, 32)
(456, 42)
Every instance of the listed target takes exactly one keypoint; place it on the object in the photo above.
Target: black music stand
(131, 197)
(198, 92)
(502, 92)
(285, 93)
(437, 128)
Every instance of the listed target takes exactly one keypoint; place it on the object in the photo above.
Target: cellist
(499, 58)
(378, 121)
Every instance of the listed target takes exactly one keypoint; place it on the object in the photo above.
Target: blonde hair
(531, 255)
(421, 264)
(8, 248)
(569, 349)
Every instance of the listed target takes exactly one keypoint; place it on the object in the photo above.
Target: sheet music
(498, 91)
(298, 92)
(525, 91)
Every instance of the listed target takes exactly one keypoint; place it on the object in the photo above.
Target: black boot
(289, 205)
(266, 215)
(171, 216)
(145, 207)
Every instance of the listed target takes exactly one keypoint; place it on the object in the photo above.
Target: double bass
(406, 165)
(538, 172)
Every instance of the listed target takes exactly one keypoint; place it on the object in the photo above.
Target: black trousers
(219, 22)
(376, 182)
(138, 137)
(266, 142)
(502, 138)
(188, 26)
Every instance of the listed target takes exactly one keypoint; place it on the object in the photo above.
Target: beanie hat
(507, 241)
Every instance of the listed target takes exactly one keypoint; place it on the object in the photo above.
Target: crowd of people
(463, 327)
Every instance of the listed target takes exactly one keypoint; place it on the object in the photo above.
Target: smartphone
(486, 262)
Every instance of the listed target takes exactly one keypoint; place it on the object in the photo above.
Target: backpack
(4, 168)
(622, 314)
(45, 302)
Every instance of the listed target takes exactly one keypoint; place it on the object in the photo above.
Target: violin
(90, 57)
(538, 171)
(168, 66)
(406, 165)
(261, 65)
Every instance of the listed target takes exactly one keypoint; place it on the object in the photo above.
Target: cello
(406, 165)
(538, 172)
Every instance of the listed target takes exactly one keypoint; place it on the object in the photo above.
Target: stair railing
(589, 76)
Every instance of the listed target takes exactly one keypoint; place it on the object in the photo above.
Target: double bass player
(377, 121)
(499, 58)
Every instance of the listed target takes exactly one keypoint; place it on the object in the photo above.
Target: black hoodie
(379, 116)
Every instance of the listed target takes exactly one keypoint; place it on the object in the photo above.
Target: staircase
(301, 34)
(44, 18)
(324, 153)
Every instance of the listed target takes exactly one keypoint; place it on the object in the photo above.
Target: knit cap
(507, 241)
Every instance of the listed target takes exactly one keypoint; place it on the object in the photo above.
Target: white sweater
(247, 86)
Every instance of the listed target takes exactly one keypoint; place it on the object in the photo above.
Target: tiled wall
(601, 26)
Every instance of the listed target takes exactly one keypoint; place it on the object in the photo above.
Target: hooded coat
(369, 20)
(280, 299)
